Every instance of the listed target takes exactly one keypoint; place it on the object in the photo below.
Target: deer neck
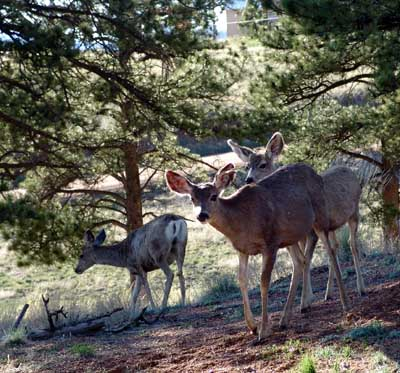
(225, 218)
(113, 255)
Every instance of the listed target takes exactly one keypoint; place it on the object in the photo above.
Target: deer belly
(252, 247)
(294, 232)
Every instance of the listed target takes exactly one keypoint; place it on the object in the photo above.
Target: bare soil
(213, 338)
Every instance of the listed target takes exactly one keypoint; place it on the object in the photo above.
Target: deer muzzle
(203, 217)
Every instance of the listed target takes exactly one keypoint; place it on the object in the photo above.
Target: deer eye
(213, 197)
(263, 165)
(80, 256)
(247, 167)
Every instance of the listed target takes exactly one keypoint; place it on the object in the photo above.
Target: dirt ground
(214, 338)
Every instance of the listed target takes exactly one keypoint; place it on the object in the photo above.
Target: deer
(342, 192)
(155, 245)
(261, 218)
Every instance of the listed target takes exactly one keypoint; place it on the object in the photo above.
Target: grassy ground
(209, 259)
(212, 337)
(210, 271)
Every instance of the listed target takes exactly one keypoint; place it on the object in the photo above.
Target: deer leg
(353, 226)
(179, 264)
(248, 315)
(306, 294)
(298, 265)
(168, 283)
(335, 246)
(299, 251)
(268, 261)
(135, 292)
(323, 236)
(147, 289)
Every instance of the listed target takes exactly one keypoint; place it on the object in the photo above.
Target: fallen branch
(54, 314)
(20, 317)
(107, 314)
(136, 321)
(87, 326)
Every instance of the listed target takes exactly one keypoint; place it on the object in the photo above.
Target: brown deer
(342, 191)
(155, 245)
(260, 218)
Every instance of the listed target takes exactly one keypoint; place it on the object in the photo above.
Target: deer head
(87, 258)
(259, 165)
(204, 196)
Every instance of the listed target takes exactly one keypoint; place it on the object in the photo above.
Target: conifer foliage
(330, 79)
(95, 88)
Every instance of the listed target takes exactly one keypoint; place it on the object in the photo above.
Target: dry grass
(209, 258)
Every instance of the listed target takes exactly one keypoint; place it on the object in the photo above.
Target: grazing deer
(155, 245)
(260, 218)
(342, 191)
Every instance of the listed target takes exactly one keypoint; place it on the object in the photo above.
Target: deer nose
(249, 180)
(202, 217)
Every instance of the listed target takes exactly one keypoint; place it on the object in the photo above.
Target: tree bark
(390, 195)
(132, 188)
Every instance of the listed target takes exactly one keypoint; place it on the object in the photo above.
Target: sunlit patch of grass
(306, 364)
(220, 287)
(381, 362)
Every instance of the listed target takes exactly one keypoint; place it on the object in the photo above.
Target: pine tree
(331, 80)
(96, 88)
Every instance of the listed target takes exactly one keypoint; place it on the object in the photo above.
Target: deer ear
(275, 145)
(100, 238)
(242, 152)
(88, 236)
(223, 180)
(227, 167)
(178, 183)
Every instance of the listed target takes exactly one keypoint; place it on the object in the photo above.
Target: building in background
(230, 20)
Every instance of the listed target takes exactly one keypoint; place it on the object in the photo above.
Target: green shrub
(373, 330)
(15, 338)
(306, 365)
(394, 334)
(83, 350)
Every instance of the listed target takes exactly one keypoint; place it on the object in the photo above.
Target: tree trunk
(390, 194)
(132, 188)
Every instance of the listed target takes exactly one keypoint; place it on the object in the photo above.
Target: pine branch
(361, 156)
(110, 221)
(93, 192)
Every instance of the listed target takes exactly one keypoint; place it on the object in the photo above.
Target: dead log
(20, 317)
(78, 329)
(88, 326)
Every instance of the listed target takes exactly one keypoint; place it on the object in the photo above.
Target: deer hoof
(254, 331)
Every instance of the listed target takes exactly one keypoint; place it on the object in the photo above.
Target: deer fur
(155, 245)
(260, 218)
(342, 191)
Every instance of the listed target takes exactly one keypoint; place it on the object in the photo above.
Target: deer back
(154, 242)
(342, 191)
(279, 210)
